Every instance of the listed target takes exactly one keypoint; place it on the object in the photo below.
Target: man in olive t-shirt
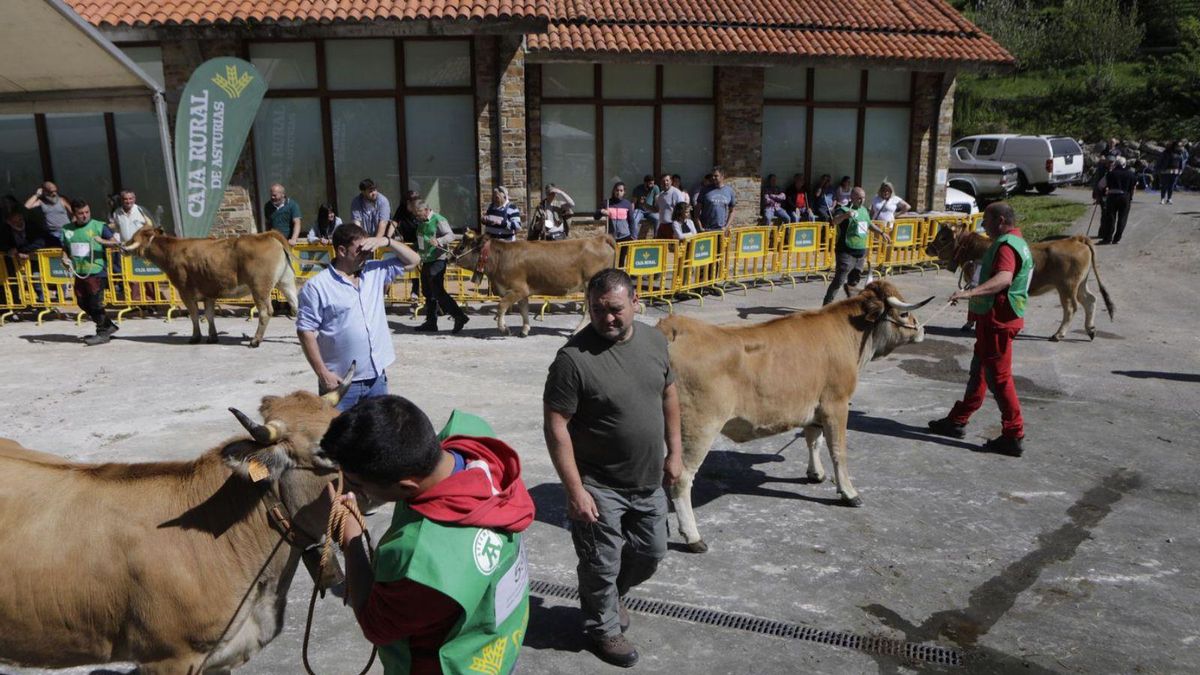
(610, 403)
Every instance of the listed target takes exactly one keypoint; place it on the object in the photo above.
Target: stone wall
(235, 215)
(533, 128)
(511, 112)
(486, 121)
(739, 114)
(930, 138)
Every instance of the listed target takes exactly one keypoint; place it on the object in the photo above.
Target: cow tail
(1108, 302)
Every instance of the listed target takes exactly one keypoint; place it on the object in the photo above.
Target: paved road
(1079, 557)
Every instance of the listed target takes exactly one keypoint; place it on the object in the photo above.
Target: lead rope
(338, 513)
(931, 317)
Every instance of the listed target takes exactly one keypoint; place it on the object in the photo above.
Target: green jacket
(1018, 290)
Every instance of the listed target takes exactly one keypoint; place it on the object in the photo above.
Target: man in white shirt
(666, 201)
(129, 217)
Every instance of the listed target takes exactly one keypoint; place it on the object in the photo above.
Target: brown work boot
(622, 615)
(615, 649)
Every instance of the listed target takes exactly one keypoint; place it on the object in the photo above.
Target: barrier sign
(804, 239)
(904, 234)
(703, 249)
(646, 259)
(751, 244)
(141, 267)
(54, 267)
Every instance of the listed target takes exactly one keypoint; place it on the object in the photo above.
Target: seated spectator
(618, 213)
(322, 230)
(371, 210)
(503, 218)
(19, 238)
(796, 200)
(282, 214)
(717, 203)
(681, 226)
(667, 199)
(644, 197)
(841, 195)
(550, 219)
(823, 198)
(886, 205)
(774, 201)
(128, 217)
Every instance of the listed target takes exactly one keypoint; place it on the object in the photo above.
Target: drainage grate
(908, 651)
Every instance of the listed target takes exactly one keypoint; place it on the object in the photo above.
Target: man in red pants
(997, 305)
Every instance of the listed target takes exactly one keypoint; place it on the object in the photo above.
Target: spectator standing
(717, 203)
(129, 217)
(667, 199)
(282, 214)
(677, 181)
(1118, 192)
(705, 185)
(774, 201)
(327, 221)
(341, 319)
(823, 198)
(886, 205)
(1170, 166)
(550, 219)
(83, 242)
(433, 236)
(997, 305)
(503, 218)
(853, 222)
(371, 210)
(56, 211)
(618, 213)
(841, 194)
(407, 223)
(450, 575)
(645, 198)
(610, 403)
(1099, 182)
(796, 200)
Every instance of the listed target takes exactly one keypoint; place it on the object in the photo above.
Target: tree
(1099, 33)
(1017, 26)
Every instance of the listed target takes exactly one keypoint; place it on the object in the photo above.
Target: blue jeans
(360, 389)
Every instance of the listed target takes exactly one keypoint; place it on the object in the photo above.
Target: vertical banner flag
(215, 113)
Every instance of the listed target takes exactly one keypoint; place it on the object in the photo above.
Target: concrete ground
(1078, 557)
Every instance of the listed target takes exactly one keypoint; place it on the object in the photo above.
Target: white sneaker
(1162, 201)
(1170, 201)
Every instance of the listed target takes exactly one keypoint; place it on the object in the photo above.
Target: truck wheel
(1022, 184)
(1044, 188)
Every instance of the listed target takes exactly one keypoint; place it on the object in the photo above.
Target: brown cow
(208, 269)
(519, 269)
(1058, 264)
(799, 370)
(177, 566)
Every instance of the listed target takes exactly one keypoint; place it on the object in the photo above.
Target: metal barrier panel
(135, 283)
(399, 292)
(701, 265)
(650, 263)
(751, 255)
(51, 283)
(319, 252)
(12, 297)
(907, 250)
(806, 249)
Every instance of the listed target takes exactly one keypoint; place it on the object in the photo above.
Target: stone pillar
(511, 113)
(739, 113)
(932, 121)
(235, 215)
(533, 129)
(486, 122)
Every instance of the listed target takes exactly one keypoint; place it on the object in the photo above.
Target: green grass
(1040, 217)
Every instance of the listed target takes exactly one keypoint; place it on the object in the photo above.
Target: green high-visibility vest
(1018, 290)
(484, 571)
(427, 236)
(855, 228)
(87, 254)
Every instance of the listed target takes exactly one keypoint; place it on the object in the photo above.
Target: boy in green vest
(83, 242)
(449, 591)
(997, 305)
(853, 222)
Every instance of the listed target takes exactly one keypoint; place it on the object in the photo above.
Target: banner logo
(232, 83)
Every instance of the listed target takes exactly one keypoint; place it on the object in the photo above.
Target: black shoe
(1012, 447)
(109, 329)
(459, 322)
(97, 339)
(944, 427)
(615, 649)
(427, 327)
(622, 615)
(968, 327)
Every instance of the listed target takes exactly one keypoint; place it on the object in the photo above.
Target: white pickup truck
(1043, 162)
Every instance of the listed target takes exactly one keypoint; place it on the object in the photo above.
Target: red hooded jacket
(487, 493)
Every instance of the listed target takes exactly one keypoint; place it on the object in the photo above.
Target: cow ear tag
(258, 470)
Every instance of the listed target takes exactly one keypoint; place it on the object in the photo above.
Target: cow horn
(899, 304)
(261, 433)
(130, 248)
(334, 397)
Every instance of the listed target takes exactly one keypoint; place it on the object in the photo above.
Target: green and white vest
(1018, 290)
(854, 236)
(87, 255)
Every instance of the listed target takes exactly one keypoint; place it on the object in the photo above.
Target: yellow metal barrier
(135, 283)
(318, 252)
(751, 255)
(650, 263)
(701, 265)
(909, 236)
(400, 291)
(806, 250)
(13, 296)
(51, 284)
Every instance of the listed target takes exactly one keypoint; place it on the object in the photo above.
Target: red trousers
(991, 368)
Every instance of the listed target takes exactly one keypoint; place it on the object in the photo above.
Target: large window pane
(885, 149)
(139, 153)
(568, 79)
(79, 157)
(628, 144)
(569, 151)
(681, 80)
(20, 162)
(288, 149)
(441, 155)
(783, 137)
(364, 146)
(785, 82)
(441, 63)
(286, 65)
(621, 80)
(834, 139)
(687, 141)
(149, 59)
(836, 85)
(360, 64)
(888, 85)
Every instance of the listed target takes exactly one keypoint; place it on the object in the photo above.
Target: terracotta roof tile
(185, 12)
